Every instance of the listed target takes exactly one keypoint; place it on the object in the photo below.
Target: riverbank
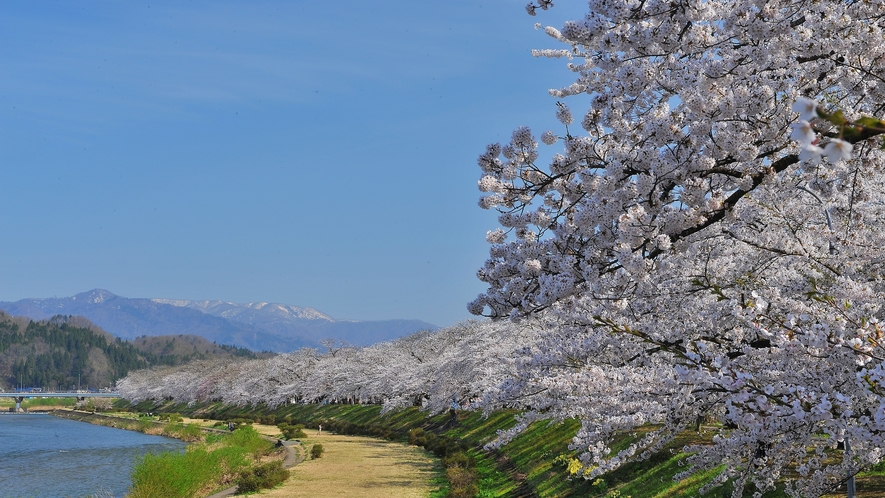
(351, 465)
(186, 433)
(218, 460)
(54, 457)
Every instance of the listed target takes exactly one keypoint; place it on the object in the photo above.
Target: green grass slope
(534, 464)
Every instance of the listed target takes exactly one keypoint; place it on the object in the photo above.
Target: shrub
(190, 433)
(292, 431)
(459, 459)
(316, 451)
(240, 422)
(172, 418)
(144, 425)
(416, 437)
(462, 482)
(600, 485)
(248, 438)
(264, 476)
(172, 430)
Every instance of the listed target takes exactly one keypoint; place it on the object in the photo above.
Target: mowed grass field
(360, 467)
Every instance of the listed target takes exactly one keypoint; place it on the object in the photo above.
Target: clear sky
(316, 154)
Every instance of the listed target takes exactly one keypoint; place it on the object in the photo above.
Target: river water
(46, 456)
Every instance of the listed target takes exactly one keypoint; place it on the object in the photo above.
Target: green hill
(65, 352)
(177, 349)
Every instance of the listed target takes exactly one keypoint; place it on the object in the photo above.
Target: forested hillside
(177, 349)
(67, 352)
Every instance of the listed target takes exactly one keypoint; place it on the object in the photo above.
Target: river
(46, 456)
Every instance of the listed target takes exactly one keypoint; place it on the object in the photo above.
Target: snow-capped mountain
(251, 310)
(257, 326)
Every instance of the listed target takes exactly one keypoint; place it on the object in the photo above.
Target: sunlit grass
(200, 469)
(38, 403)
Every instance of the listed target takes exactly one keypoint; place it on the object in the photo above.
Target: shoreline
(294, 453)
(55, 458)
(88, 417)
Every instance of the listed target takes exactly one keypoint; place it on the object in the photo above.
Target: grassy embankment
(534, 464)
(173, 427)
(218, 462)
(38, 404)
(213, 461)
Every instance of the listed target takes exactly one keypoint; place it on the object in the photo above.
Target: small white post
(850, 483)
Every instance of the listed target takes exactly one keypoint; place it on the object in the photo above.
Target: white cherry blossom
(807, 108)
(699, 263)
(838, 150)
(803, 133)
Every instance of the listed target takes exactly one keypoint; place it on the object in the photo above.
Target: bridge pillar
(18, 403)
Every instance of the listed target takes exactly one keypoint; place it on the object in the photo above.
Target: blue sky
(316, 154)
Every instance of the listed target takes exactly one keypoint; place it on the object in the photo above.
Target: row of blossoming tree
(465, 362)
(711, 233)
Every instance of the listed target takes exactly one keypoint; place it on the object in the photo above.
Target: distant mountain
(256, 326)
(129, 318)
(250, 312)
(284, 320)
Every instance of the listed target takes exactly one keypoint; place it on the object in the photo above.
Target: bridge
(80, 395)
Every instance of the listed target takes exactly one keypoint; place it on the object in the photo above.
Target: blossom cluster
(531, 8)
(803, 132)
(707, 268)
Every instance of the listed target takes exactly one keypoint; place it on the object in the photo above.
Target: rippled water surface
(46, 456)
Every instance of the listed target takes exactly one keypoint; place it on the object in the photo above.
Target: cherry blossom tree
(706, 252)
(468, 361)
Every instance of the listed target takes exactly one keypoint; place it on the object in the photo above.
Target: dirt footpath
(360, 467)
